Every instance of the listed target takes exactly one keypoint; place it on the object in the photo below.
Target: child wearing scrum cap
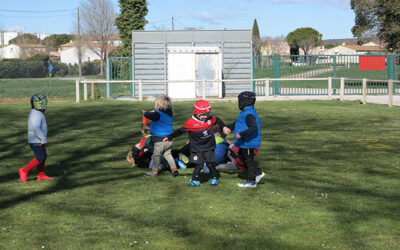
(201, 140)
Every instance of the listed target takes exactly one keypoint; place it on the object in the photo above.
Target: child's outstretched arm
(222, 125)
(174, 134)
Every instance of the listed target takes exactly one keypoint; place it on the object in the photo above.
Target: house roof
(363, 48)
(115, 37)
(89, 43)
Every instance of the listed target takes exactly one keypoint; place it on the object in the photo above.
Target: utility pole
(172, 23)
(79, 47)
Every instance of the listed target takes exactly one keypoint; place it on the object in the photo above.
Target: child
(221, 147)
(201, 140)
(161, 126)
(37, 138)
(141, 152)
(247, 134)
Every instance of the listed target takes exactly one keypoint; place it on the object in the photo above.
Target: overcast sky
(332, 18)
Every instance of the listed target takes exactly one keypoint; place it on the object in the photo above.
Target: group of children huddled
(205, 149)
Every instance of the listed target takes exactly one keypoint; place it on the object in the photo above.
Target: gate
(120, 68)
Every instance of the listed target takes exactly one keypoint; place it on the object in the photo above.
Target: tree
(25, 39)
(53, 41)
(132, 17)
(377, 18)
(256, 39)
(97, 27)
(304, 38)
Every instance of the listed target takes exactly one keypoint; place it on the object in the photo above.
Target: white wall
(10, 51)
(70, 56)
(6, 36)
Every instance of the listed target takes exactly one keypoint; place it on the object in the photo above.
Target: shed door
(181, 67)
(207, 68)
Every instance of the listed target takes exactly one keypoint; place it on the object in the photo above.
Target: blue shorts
(40, 152)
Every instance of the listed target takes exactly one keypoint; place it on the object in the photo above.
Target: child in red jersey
(202, 141)
(141, 152)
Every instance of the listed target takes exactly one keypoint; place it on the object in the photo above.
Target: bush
(23, 69)
(91, 68)
(30, 68)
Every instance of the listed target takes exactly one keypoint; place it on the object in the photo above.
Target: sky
(332, 18)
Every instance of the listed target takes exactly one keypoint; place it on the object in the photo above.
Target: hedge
(17, 68)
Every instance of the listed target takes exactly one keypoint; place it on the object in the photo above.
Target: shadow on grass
(88, 139)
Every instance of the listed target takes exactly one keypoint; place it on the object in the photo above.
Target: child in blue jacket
(247, 134)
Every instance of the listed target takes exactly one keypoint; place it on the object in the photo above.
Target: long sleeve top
(37, 127)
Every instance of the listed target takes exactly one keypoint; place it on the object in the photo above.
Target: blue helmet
(39, 101)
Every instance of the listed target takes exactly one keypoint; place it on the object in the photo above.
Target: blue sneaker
(205, 170)
(214, 182)
(194, 183)
(180, 164)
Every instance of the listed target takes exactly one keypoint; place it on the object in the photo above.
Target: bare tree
(97, 22)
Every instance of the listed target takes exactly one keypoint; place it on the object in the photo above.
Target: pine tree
(132, 18)
(256, 39)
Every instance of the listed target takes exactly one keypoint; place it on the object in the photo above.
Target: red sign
(372, 63)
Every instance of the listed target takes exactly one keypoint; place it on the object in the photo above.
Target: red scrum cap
(201, 107)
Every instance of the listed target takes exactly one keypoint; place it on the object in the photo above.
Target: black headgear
(246, 98)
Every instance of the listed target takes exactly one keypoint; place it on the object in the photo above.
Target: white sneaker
(248, 184)
(259, 177)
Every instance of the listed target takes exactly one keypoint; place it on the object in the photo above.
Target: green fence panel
(370, 66)
(120, 68)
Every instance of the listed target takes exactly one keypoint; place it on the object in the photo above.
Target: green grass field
(332, 182)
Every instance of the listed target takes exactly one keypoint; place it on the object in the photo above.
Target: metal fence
(371, 66)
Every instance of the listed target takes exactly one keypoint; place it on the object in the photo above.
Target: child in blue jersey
(222, 145)
(37, 138)
(247, 134)
(161, 126)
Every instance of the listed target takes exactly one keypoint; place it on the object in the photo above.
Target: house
(90, 52)
(352, 50)
(6, 36)
(271, 47)
(115, 40)
(21, 51)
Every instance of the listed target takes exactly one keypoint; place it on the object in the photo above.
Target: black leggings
(247, 157)
(199, 167)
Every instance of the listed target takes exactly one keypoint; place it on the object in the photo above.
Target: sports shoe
(175, 173)
(259, 177)
(23, 176)
(248, 184)
(151, 173)
(194, 183)
(205, 169)
(42, 177)
(181, 164)
(214, 182)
